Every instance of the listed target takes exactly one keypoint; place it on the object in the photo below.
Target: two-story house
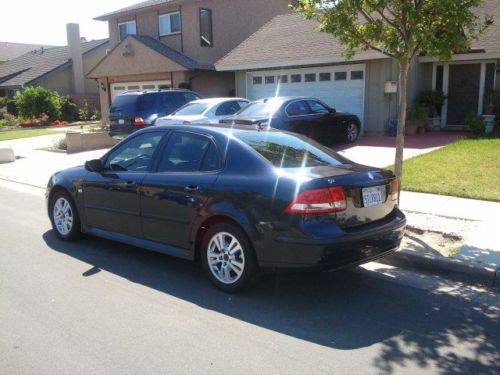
(167, 43)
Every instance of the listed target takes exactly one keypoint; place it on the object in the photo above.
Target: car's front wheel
(351, 132)
(228, 257)
(64, 216)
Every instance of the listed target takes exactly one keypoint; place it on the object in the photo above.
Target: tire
(233, 268)
(351, 132)
(64, 216)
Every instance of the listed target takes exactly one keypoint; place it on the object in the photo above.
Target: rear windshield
(192, 109)
(260, 108)
(287, 151)
(146, 102)
(124, 103)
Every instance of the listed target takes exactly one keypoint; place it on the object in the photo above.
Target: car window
(317, 107)
(243, 104)
(124, 103)
(288, 151)
(187, 152)
(298, 108)
(134, 155)
(228, 108)
(174, 100)
(261, 108)
(146, 102)
(190, 96)
(191, 109)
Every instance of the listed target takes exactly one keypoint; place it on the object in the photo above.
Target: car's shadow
(343, 310)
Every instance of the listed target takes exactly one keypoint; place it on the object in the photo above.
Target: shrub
(9, 120)
(433, 100)
(3, 102)
(69, 110)
(12, 108)
(475, 123)
(60, 144)
(84, 112)
(33, 102)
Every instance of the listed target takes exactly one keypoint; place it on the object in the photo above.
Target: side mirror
(332, 111)
(94, 165)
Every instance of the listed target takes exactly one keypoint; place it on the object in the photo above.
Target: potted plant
(416, 120)
(433, 100)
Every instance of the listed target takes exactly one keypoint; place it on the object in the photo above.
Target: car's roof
(213, 101)
(210, 128)
(153, 91)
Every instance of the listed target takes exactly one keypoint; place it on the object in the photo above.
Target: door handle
(192, 189)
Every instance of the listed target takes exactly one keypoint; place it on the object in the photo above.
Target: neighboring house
(9, 51)
(163, 43)
(61, 69)
(287, 57)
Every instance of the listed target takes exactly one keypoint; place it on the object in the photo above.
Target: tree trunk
(402, 104)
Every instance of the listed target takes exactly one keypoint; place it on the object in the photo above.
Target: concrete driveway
(380, 151)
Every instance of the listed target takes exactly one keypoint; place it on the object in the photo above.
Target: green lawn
(468, 168)
(6, 135)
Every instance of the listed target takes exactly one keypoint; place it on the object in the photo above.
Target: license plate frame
(121, 121)
(372, 196)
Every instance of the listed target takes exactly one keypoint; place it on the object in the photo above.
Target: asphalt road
(97, 307)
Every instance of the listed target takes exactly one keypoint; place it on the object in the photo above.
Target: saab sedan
(236, 199)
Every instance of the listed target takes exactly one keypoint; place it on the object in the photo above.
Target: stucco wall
(60, 81)
(90, 60)
(233, 21)
(212, 84)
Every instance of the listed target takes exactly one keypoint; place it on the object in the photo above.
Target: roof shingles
(32, 65)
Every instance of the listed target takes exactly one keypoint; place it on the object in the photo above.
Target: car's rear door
(111, 197)
(298, 118)
(173, 196)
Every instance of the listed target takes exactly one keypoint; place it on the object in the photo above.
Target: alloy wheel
(352, 132)
(63, 216)
(226, 258)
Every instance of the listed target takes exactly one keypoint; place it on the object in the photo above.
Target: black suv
(132, 111)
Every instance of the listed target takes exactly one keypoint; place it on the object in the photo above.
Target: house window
(296, 78)
(170, 23)
(269, 80)
(439, 77)
(127, 28)
(283, 79)
(357, 74)
(206, 36)
(310, 77)
(340, 76)
(325, 77)
(257, 80)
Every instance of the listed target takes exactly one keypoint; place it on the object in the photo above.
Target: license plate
(121, 122)
(372, 196)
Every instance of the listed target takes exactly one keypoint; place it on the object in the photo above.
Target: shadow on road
(343, 310)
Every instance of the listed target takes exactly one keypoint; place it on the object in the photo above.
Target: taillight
(394, 189)
(139, 121)
(186, 122)
(319, 201)
(263, 126)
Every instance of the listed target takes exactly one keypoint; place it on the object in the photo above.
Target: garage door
(341, 87)
(119, 88)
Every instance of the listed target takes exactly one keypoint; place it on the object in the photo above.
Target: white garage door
(119, 88)
(341, 87)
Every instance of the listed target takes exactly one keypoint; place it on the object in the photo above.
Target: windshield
(192, 109)
(124, 103)
(261, 108)
(287, 151)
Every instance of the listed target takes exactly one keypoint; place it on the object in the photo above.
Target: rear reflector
(394, 189)
(319, 201)
(139, 121)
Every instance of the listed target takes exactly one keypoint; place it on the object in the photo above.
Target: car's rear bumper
(353, 247)
(124, 130)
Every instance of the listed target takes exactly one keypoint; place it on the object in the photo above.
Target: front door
(463, 92)
(111, 197)
(174, 195)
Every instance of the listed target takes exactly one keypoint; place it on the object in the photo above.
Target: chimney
(75, 54)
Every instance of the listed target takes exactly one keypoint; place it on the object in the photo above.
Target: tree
(400, 29)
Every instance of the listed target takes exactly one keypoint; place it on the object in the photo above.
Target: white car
(204, 111)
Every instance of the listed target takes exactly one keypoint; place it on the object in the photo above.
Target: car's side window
(243, 104)
(298, 108)
(135, 155)
(317, 107)
(188, 152)
(228, 108)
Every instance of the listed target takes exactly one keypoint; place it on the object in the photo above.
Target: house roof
(31, 66)
(131, 8)
(288, 40)
(490, 40)
(171, 53)
(9, 51)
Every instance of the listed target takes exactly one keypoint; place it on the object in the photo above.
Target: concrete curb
(449, 267)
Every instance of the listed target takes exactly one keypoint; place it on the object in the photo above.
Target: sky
(44, 21)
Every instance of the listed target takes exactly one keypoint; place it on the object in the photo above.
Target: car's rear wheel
(352, 132)
(64, 216)
(228, 257)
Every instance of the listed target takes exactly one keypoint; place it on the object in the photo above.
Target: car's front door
(298, 118)
(111, 196)
(323, 122)
(173, 196)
